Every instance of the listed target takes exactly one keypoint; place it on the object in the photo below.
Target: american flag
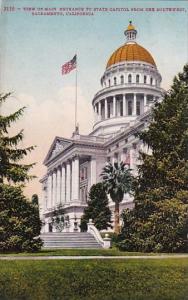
(69, 66)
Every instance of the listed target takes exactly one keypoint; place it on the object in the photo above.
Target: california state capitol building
(130, 86)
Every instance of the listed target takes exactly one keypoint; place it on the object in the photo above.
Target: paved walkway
(162, 256)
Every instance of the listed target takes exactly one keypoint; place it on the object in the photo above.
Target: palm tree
(117, 180)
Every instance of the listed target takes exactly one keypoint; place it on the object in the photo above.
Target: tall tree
(165, 172)
(163, 175)
(35, 199)
(117, 180)
(11, 169)
(98, 209)
(19, 219)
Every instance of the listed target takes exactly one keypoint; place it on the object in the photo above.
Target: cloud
(42, 121)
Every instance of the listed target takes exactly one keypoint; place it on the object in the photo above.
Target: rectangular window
(121, 108)
(138, 108)
(108, 110)
(85, 172)
(129, 108)
(81, 174)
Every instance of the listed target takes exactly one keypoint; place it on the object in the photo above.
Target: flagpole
(76, 79)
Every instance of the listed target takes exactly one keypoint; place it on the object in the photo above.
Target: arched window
(151, 80)
(137, 78)
(129, 78)
(130, 108)
(109, 82)
(138, 109)
(122, 79)
(145, 79)
(115, 80)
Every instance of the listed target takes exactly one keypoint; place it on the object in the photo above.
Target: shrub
(19, 221)
(97, 209)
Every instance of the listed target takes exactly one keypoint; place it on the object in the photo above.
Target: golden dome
(130, 52)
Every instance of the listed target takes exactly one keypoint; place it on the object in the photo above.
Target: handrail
(106, 242)
(94, 231)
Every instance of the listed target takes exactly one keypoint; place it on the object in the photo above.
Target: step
(69, 240)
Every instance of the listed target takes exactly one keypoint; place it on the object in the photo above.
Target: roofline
(75, 143)
(51, 147)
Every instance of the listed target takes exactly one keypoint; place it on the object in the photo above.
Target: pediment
(57, 146)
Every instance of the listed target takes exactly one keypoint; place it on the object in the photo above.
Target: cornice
(130, 130)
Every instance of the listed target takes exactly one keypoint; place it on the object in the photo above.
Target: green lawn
(79, 252)
(165, 279)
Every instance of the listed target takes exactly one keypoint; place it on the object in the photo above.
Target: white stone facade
(122, 107)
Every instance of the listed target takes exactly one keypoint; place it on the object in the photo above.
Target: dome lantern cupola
(131, 50)
(130, 33)
(130, 86)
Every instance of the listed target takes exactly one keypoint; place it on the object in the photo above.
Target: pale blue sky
(33, 48)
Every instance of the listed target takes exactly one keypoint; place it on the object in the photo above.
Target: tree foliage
(117, 180)
(35, 199)
(58, 218)
(97, 209)
(19, 219)
(11, 169)
(159, 219)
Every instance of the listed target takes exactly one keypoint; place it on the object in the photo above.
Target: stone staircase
(63, 240)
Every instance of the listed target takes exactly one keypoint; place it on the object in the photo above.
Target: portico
(63, 183)
(70, 177)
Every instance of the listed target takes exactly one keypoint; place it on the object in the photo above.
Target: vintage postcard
(88, 74)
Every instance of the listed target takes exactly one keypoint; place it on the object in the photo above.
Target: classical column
(106, 108)
(124, 105)
(146, 105)
(133, 158)
(93, 171)
(95, 112)
(58, 190)
(134, 105)
(114, 106)
(100, 111)
(76, 178)
(145, 100)
(44, 199)
(49, 198)
(54, 188)
(63, 186)
(68, 182)
(123, 155)
(72, 180)
(114, 160)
